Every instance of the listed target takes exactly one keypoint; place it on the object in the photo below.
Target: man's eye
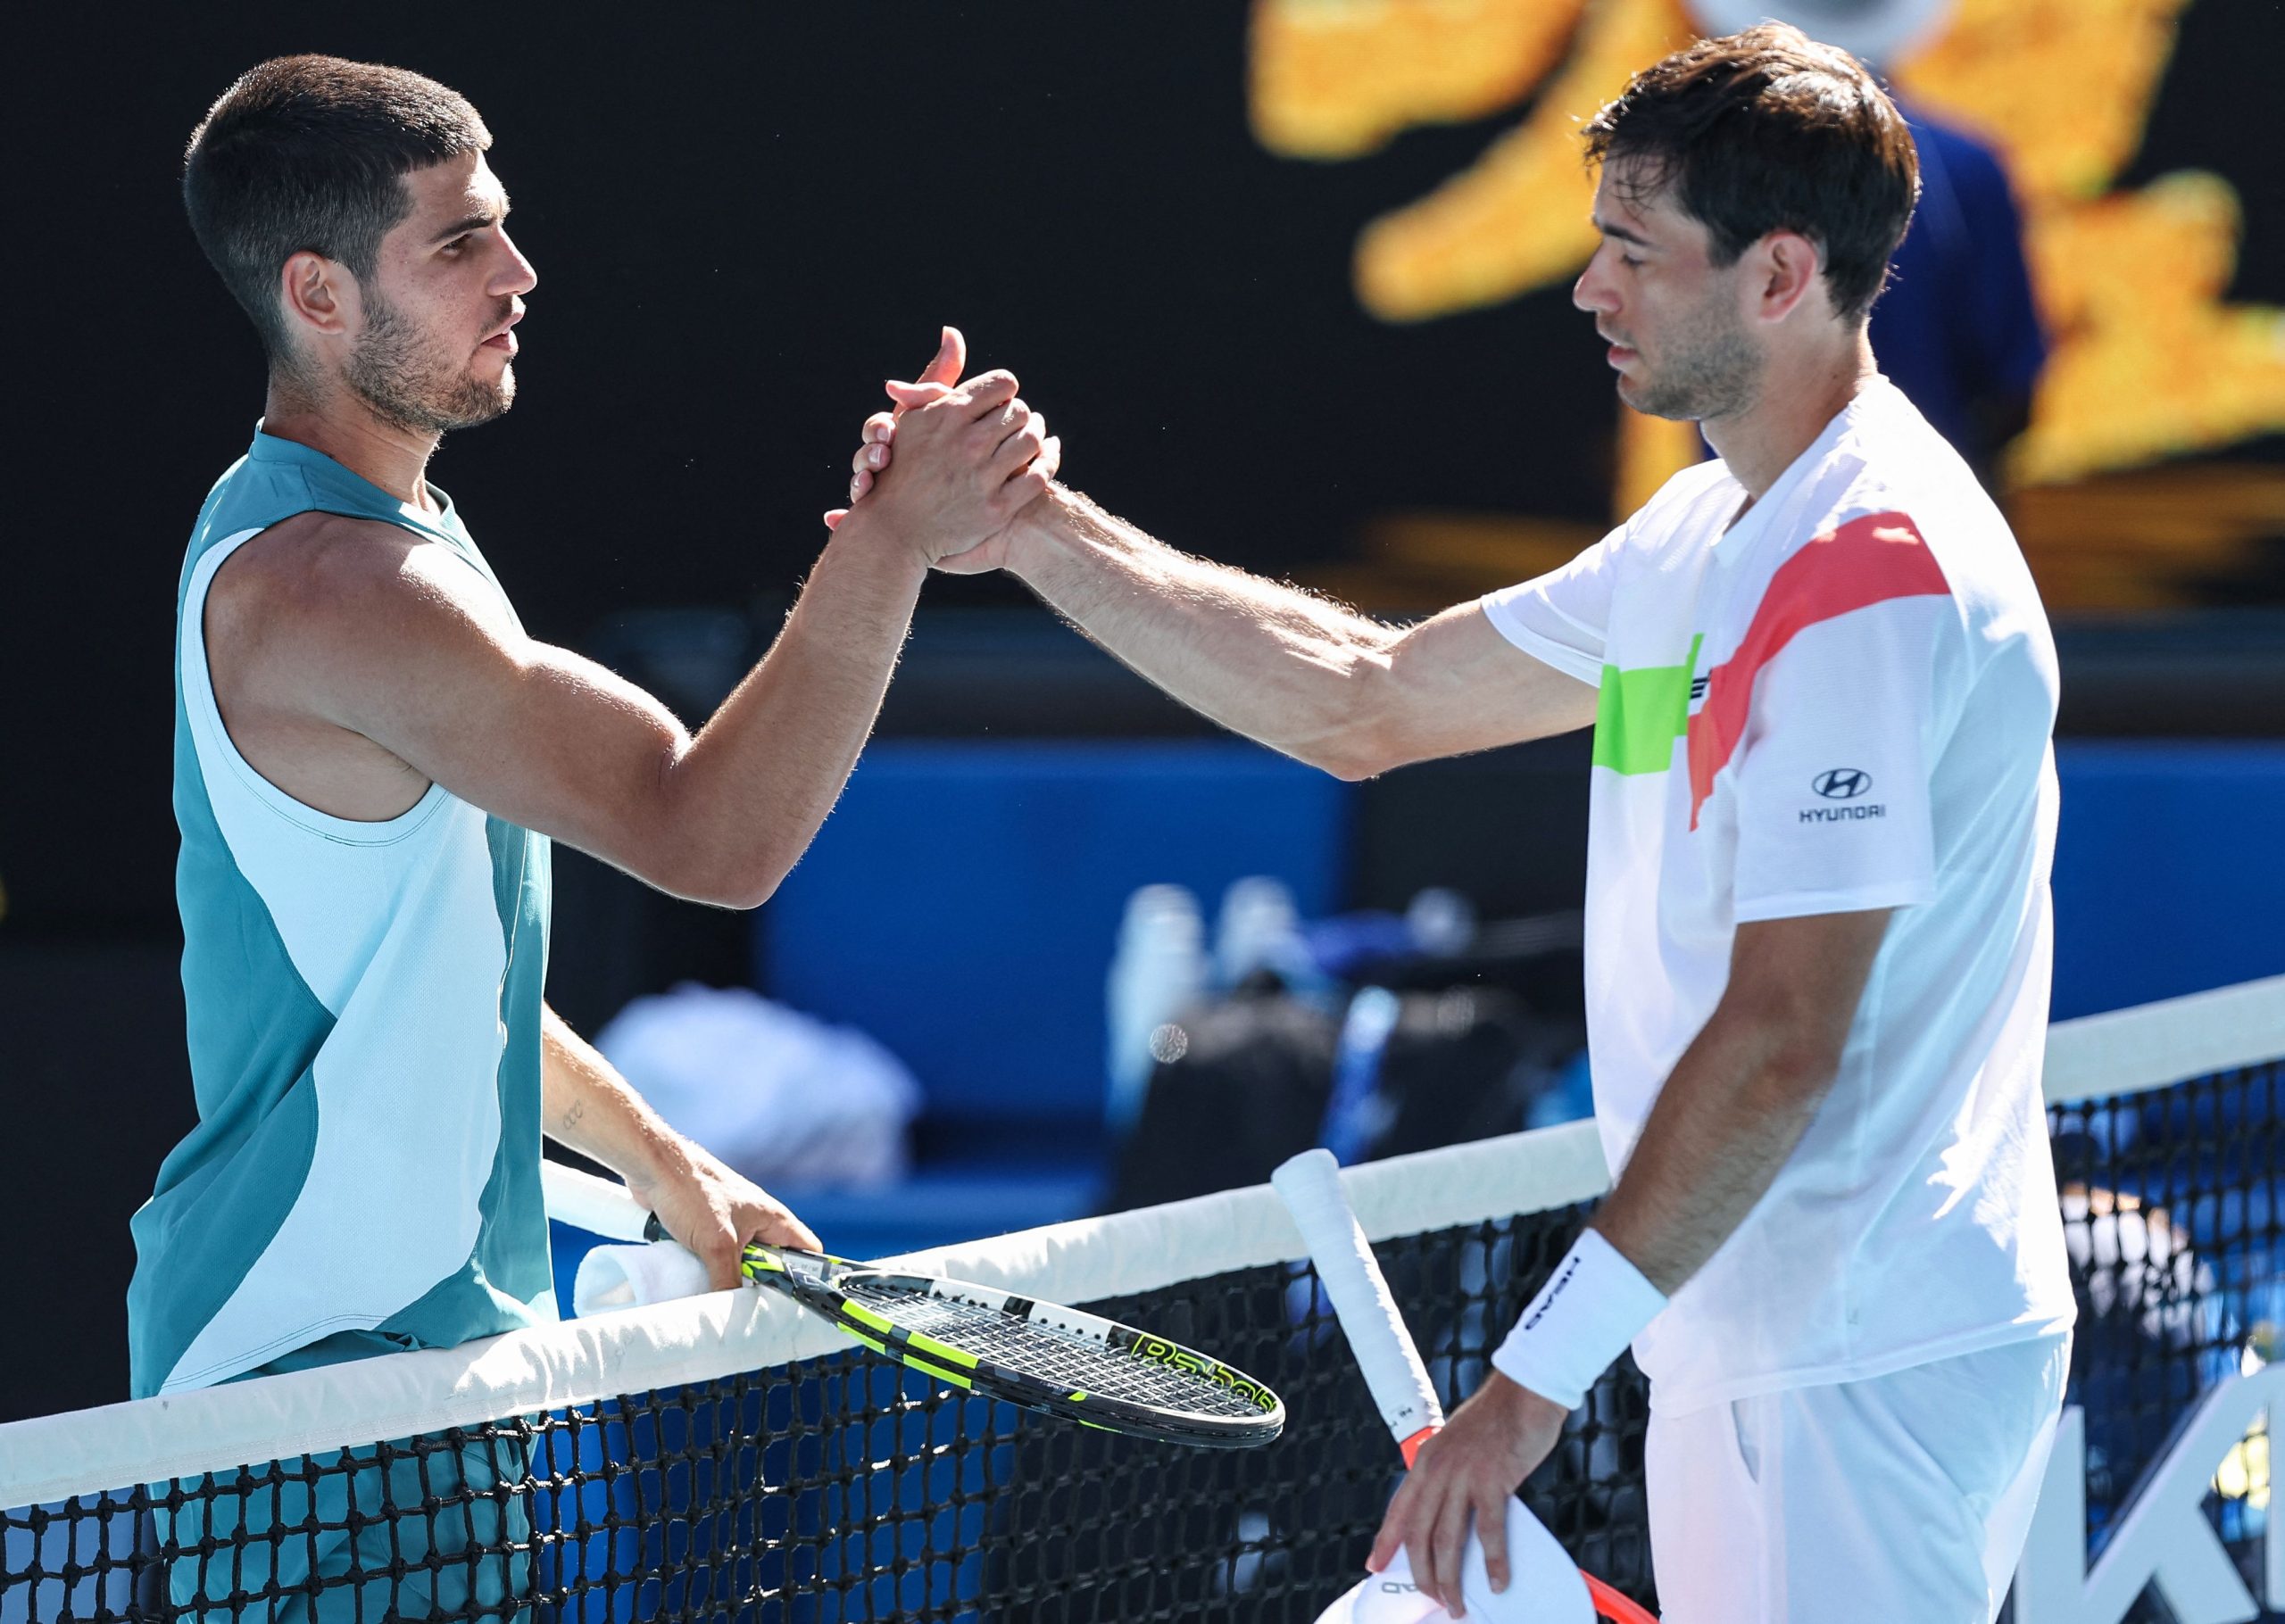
(1629, 261)
(456, 244)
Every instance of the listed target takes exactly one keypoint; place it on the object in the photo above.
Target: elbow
(739, 888)
(681, 844)
(741, 898)
(1350, 764)
(1802, 1074)
(698, 871)
(1360, 741)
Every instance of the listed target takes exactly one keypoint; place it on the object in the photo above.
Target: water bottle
(1156, 973)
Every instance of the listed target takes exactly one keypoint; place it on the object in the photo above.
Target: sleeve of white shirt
(1842, 728)
(1562, 617)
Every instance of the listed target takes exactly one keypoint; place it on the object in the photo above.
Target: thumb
(908, 396)
(951, 357)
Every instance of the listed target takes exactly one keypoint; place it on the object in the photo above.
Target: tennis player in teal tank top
(371, 762)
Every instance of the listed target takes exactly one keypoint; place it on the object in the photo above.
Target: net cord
(86, 1452)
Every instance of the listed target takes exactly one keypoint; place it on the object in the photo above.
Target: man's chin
(1650, 404)
(480, 406)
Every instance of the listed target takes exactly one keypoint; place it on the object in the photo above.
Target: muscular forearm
(588, 1106)
(746, 796)
(1268, 661)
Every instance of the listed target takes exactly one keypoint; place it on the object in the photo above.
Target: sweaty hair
(311, 153)
(1768, 130)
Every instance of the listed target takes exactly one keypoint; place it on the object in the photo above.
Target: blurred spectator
(1958, 330)
(776, 1094)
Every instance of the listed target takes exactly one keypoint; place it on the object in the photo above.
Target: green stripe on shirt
(1639, 715)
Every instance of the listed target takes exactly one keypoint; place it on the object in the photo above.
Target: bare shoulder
(336, 582)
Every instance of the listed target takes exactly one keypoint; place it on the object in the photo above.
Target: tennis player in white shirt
(1821, 688)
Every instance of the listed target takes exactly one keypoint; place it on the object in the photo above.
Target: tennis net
(727, 1456)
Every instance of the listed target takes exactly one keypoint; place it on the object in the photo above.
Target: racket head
(1043, 1356)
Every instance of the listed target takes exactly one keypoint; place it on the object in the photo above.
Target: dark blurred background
(744, 216)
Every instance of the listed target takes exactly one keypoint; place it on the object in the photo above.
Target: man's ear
(1788, 269)
(318, 295)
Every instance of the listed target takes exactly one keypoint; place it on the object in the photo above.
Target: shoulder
(1697, 502)
(330, 576)
(1685, 489)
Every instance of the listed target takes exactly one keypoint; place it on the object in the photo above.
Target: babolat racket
(1543, 1584)
(1055, 1360)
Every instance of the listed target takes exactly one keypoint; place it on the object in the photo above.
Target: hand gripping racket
(1543, 1585)
(1044, 1357)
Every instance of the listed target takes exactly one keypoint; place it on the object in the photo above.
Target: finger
(869, 458)
(778, 1226)
(833, 516)
(1445, 1539)
(1050, 457)
(1396, 1526)
(1492, 1531)
(908, 396)
(723, 1254)
(881, 426)
(1019, 492)
(1008, 419)
(859, 482)
(985, 393)
(1017, 452)
(951, 357)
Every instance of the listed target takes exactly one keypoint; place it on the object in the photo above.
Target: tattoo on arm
(572, 1114)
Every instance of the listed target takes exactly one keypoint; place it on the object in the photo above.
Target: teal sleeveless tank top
(364, 1029)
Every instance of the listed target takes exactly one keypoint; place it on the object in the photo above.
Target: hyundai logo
(1842, 782)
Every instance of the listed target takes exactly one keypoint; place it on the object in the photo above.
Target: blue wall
(962, 902)
(2168, 870)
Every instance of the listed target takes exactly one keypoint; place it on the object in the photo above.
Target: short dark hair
(1769, 130)
(311, 153)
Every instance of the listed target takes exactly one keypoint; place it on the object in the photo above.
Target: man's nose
(1593, 291)
(518, 275)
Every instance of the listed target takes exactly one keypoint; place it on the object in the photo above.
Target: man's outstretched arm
(1294, 671)
(1287, 668)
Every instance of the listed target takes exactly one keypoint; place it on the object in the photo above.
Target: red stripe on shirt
(1865, 561)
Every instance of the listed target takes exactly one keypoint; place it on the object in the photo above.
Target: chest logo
(1842, 782)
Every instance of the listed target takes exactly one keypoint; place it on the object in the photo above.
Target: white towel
(615, 1277)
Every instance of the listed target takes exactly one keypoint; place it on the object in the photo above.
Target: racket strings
(1069, 1359)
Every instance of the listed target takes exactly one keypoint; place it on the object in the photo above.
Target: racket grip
(1309, 1184)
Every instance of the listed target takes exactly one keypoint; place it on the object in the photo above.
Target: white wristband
(1593, 1305)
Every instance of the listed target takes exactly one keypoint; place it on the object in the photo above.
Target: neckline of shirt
(1735, 538)
(276, 448)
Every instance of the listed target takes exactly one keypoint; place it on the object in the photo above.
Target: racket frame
(817, 1281)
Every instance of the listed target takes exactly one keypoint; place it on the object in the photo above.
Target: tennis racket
(1543, 1585)
(1055, 1360)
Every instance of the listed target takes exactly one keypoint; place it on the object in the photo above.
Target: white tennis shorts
(1903, 1499)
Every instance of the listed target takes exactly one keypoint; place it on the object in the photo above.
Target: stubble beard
(1713, 372)
(406, 384)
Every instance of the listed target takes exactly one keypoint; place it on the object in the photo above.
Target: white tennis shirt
(1841, 700)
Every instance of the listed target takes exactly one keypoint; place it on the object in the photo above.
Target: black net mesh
(844, 1490)
(2169, 1201)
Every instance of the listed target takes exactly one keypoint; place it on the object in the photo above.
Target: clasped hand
(969, 457)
